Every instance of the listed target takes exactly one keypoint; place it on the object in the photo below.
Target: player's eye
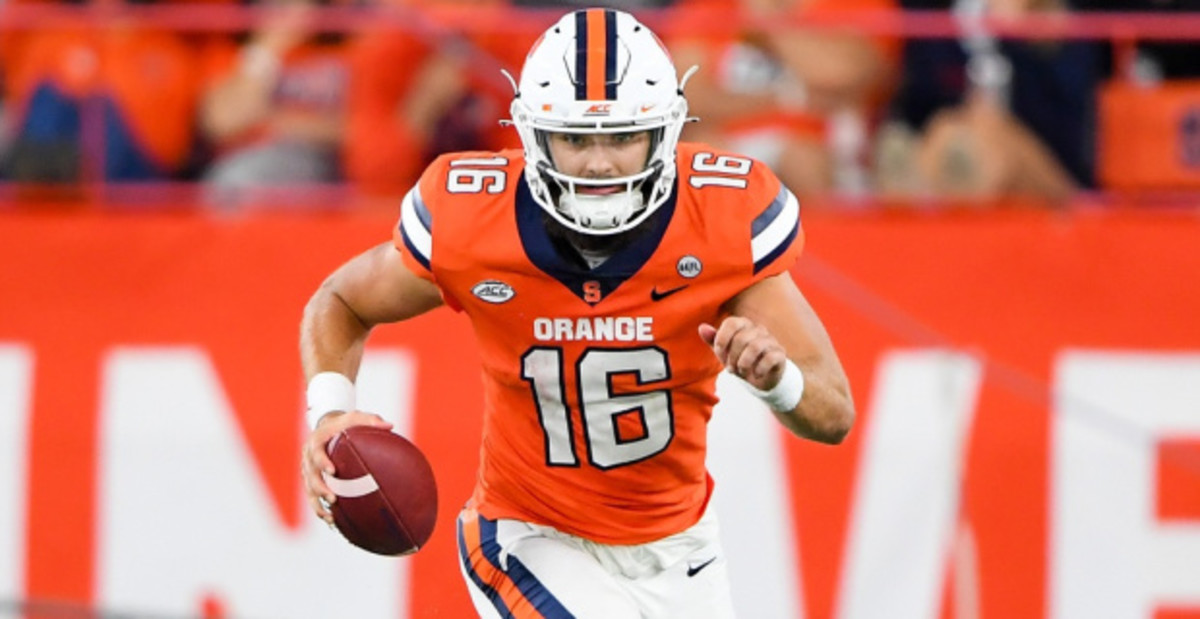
(632, 137)
(571, 139)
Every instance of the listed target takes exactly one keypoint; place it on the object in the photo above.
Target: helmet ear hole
(572, 83)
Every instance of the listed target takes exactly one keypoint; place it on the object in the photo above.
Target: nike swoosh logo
(695, 569)
(655, 295)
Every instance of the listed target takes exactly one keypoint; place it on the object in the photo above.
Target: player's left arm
(768, 324)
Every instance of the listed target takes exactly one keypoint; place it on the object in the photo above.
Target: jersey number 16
(600, 409)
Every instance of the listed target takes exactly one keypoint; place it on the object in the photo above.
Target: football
(386, 494)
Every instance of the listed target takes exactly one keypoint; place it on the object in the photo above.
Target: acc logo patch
(493, 291)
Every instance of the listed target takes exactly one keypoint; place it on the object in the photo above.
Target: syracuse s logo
(493, 291)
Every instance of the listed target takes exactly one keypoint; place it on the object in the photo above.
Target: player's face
(599, 155)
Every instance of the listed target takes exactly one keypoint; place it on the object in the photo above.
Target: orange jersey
(597, 387)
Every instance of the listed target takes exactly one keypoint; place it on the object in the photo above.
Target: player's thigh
(696, 588)
(510, 569)
(701, 588)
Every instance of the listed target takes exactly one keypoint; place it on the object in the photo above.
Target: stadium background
(1027, 377)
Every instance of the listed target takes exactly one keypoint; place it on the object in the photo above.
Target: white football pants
(517, 569)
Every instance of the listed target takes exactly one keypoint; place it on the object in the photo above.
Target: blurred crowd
(297, 99)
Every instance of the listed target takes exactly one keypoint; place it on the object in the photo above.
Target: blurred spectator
(986, 118)
(6, 131)
(800, 100)
(1157, 60)
(401, 118)
(117, 103)
(274, 112)
(623, 5)
(1149, 137)
(422, 91)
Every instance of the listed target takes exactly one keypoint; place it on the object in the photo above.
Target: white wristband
(784, 396)
(328, 392)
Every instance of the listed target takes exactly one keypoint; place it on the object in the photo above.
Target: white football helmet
(599, 71)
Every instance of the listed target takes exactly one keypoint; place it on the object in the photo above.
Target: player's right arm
(374, 287)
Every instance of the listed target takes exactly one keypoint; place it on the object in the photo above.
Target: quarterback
(610, 273)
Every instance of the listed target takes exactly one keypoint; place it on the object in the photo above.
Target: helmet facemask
(598, 213)
(554, 97)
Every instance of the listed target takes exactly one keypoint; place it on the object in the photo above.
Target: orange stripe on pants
(517, 603)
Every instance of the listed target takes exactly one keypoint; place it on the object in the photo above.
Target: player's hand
(748, 350)
(314, 459)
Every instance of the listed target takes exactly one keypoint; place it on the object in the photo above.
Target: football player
(610, 274)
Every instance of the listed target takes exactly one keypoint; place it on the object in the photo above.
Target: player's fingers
(322, 462)
(707, 332)
(323, 491)
(727, 333)
(362, 418)
(315, 454)
(320, 509)
(314, 483)
(769, 368)
(753, 350)
(379, 422)
(314, 458)
(741, 354)
(318, 486)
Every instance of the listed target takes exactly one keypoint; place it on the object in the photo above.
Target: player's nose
(601, 161)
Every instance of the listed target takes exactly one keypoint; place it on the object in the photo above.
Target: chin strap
(591, 211)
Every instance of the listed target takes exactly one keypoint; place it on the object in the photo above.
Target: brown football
(386, 494)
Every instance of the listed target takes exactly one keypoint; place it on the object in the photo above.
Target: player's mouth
(601, 190)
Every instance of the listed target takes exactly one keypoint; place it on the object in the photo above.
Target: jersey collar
(627, 261)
